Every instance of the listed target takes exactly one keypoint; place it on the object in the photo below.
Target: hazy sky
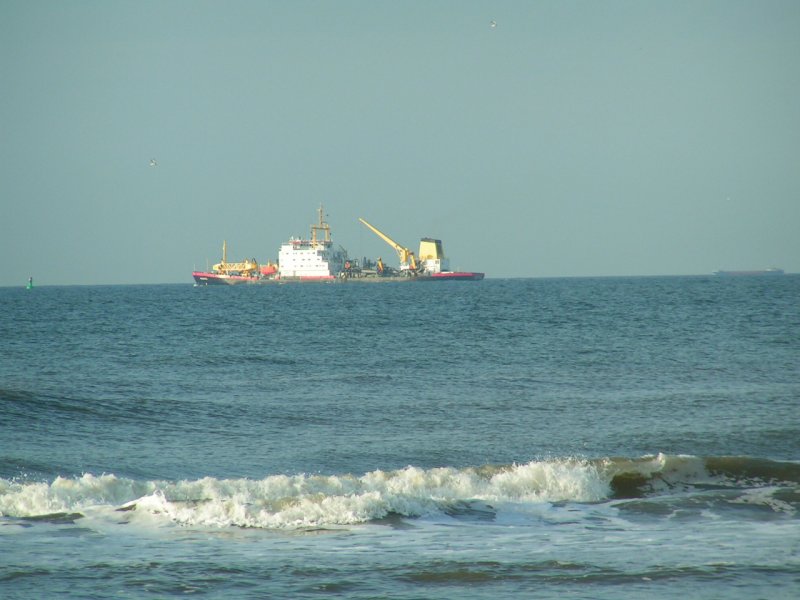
(574, 138)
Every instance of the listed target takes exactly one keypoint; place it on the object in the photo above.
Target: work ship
(316, 259)
(758, 272)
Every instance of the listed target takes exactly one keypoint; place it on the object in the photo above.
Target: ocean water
(588, 438)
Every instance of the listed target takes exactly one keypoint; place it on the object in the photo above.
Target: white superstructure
(315, 258)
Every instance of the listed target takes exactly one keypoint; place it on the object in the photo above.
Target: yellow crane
(408, 261)
(248, 267)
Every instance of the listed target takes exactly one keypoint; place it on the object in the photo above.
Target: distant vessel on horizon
(770, 271)
(316, 259)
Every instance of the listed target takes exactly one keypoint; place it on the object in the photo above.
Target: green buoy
(30, 283)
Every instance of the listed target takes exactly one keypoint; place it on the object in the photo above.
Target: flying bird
(153, 162)
(493, 24)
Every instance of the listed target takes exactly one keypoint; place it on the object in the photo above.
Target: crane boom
(406, 256)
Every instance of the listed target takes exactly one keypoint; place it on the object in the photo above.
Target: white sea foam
(282, 501)
(19, 499)
(299, 501)
(765, 497)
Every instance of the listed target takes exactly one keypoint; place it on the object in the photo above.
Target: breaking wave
(306, 501)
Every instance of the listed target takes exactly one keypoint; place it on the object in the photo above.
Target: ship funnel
(431, 256)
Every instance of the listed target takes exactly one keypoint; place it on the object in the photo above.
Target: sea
(599, 438)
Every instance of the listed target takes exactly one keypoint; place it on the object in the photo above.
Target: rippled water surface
(597, 438)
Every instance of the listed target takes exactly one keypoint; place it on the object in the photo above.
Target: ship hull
(757, 273)
(204, 278)
(454, 276)
(443, 276)
(303, 279)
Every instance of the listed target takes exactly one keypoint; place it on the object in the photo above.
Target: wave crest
(304, 501)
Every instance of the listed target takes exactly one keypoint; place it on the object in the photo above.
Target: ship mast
(322, 226)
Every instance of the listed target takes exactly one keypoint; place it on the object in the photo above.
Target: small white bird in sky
(153, 162)
(493, 24)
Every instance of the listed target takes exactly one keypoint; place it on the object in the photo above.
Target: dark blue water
(507, 429)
